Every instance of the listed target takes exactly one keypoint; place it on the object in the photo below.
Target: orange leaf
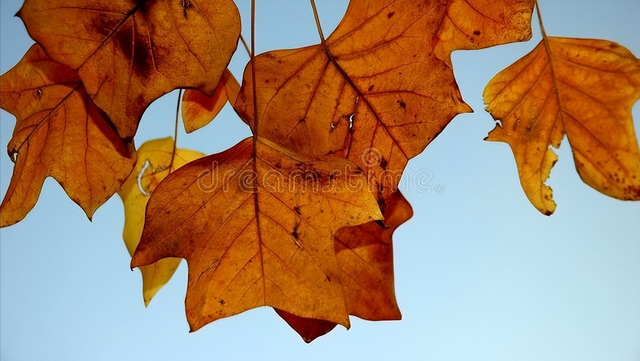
(365, 257)
(478, 24)
(154, 158)
(198, 109)
(129, 53)
(59, 133)
(584, 88)
(255, 224)
(376, 94)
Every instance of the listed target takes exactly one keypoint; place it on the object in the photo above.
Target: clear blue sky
(480, 274)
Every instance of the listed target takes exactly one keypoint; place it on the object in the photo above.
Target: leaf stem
(175, 131)
(256, 203)
(544, 33)
(252, 53)
(547, 47)
(317, 18)
(246, 47)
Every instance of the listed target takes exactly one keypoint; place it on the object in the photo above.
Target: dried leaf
(584, 88)
(365, 257)
(255, 224)
(154, 158)
(308, 328)
(59, 133)
(376, 94)
(198, 109)
(129, 53)
(478, 24)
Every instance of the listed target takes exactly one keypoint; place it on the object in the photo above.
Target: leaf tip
(465, 108)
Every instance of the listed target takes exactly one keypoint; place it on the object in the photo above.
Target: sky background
(480, 273)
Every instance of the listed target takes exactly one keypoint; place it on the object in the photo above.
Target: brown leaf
(308, 328)
(198, 109)
(584, 88)
(59, 133)
(478, 24)
(154, 159)
(376, 94)
(255, 224)
(365, 257)
(129, 53)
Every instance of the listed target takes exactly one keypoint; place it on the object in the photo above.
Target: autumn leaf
(129, 53)
(580, 87)
(365, 257)
(308, 328)
(255, 224)
(198, 109)
(59, 133)
(478, 24)
(374, 93)
(154, 160)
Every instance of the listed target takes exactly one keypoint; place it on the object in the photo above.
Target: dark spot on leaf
(104, 24)
(296, 209)
(381, 224)
(328, 278)
(390, 15)
(402, 104)
(476, 32)
(134, 47)
(383, 163)
(294, 233)
(370, 87)
(186, 4)
(382, 203)
(221, 302)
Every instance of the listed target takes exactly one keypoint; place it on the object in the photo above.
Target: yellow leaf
(580, 87)
(154, 158)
